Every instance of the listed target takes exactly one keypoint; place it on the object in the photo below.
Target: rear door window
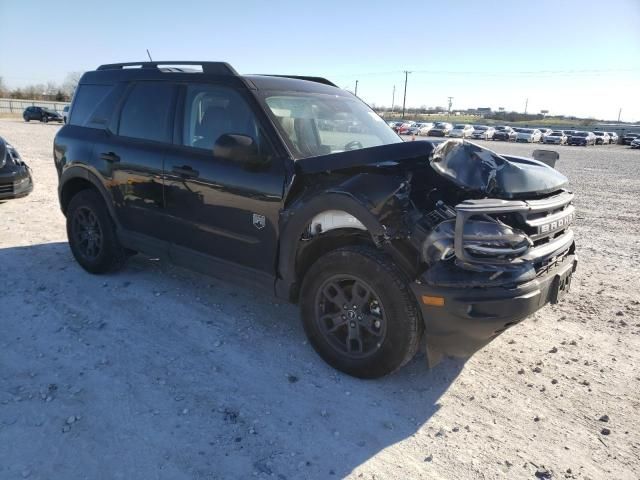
(148, 112)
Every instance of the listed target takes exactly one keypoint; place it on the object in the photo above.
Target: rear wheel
(359, 313)
(92, 235)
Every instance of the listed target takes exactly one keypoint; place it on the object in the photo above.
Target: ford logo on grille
(563, 222)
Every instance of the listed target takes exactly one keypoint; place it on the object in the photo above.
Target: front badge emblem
(259, 221)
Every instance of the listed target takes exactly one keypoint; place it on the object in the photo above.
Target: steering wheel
(353, 145)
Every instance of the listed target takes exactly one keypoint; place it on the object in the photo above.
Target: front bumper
(472, 316)
(15, 182)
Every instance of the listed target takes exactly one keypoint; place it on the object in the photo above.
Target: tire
(92, 234)
(27, 119)
(388, 324)
(45, 119)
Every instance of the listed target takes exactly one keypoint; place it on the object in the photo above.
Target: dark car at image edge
(384, 244)
(41, 114)
(15, 175)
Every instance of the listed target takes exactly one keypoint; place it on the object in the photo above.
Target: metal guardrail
(14, 105)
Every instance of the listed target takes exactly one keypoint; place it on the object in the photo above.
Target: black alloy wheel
(87, 233)
(350, 316)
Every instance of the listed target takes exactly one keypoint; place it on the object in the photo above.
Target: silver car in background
(556, 137)
(461, 130)
(529, 135)
(483, 132)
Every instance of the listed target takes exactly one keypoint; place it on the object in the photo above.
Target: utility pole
(526, 104)
(356, 92)
(619, 113)
(449, 110)
(404, 100)
(393, 98)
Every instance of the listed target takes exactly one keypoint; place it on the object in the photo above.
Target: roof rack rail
(215, 68)
(322, 80)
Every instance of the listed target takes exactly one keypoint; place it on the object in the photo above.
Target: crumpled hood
(466, 164)
(473, 167)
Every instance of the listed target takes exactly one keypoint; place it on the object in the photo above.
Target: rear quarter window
(86, 100)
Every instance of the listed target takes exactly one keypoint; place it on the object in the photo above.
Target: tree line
(59, 92)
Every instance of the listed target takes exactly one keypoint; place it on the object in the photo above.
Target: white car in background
(613, 137)
(544, 132)
(461, 131)
(425, 127)
(529, 135)
(602, 138)
(556, 137)
(483, 132)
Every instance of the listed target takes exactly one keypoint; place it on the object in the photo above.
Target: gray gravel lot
(159, 373)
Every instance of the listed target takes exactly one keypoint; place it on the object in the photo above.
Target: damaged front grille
(543, 222)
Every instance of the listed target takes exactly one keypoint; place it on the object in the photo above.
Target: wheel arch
(371, 207)
(76, 179)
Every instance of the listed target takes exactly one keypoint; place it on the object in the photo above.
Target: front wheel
(359, 313)
(45, 119)
(92, 234)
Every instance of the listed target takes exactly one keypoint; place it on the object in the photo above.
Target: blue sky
(570, 57)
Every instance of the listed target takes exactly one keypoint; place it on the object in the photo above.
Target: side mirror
(550, 157)
(236, 147)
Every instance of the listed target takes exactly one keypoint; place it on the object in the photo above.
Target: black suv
(266, 180)
(41, 114)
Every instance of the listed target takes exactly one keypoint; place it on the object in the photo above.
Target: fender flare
(298, 217)
(84, 173)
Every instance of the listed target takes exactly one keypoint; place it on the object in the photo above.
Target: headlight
(481, 239)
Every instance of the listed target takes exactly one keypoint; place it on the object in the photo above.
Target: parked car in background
(15, 175)
(582, 139)
(635, 143)
(544, 132)
(440, 129)
(65, 113)
(41, 114)
(425, 128)
(529, 135)
(404, 127)
(613, 136)
(568, 133)
(504, 133)
(461, 130)
(556, 137)
(602, 138)
(483, 132)
(630, 137)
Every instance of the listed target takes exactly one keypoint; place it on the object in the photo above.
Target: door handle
(185, 171)
(109, 157)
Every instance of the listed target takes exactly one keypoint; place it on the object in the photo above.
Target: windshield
(480, 127)
(598, 134)
(580, 134)
(459, 127)
(556, 134)
(525, 130)
(320, 124)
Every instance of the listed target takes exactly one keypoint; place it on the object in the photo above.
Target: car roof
(222, 72)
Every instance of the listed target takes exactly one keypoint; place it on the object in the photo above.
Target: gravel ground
(157, 372)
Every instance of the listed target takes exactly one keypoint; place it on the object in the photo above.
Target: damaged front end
(15, 175)
(496, 256)
(485, 238)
